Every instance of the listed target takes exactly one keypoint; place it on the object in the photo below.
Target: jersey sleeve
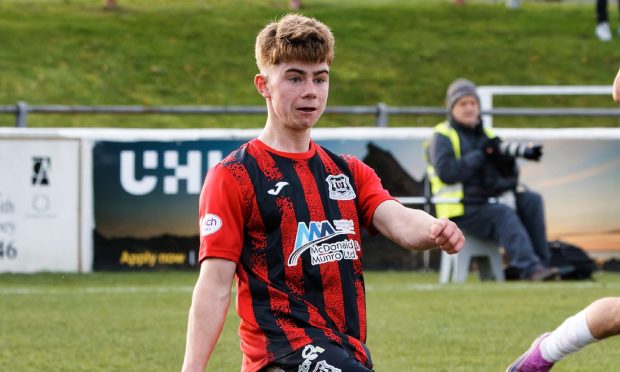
(370, 191)
(221, 216)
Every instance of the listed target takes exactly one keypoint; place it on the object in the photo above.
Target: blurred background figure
(295, 4)
(513, 4)
(602, 30)
(110, 4)
(509, 3)
(470, 163)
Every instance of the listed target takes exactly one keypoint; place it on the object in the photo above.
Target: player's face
(298, 93)
(466, 111)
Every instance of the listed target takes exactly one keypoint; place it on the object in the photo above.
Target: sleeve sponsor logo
(210, 224)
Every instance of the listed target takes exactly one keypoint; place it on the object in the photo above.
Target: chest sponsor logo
(209, 224)
(312, 237)
(340, 187)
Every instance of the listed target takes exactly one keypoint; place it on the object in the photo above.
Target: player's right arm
(221, 215)
(210, 302)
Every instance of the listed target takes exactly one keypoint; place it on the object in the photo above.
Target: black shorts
(320, 357)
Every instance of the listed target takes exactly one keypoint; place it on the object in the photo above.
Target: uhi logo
(209, 224)
(191, 172)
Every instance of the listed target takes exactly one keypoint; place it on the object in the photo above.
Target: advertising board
(39, 197)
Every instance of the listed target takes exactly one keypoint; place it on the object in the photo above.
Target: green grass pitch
(137, 322)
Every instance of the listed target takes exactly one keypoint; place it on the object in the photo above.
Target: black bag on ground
(573, 262)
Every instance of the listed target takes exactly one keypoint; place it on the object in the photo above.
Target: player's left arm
(410, 228)
(616, 88)
(415, 229)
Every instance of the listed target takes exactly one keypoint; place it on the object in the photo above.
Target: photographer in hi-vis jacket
(475, 168)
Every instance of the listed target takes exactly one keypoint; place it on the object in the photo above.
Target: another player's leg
(599, 320)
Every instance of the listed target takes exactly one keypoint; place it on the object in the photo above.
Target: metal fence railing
(381, 111)
(488, 92)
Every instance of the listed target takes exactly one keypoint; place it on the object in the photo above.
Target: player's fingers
(446, 233)
(451, 239)
(455, 242)
(441, 240)
(461, 243)
(437, 228)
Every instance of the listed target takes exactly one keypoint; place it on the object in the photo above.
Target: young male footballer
(283, 216)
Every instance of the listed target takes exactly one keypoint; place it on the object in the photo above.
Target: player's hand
(616, 88)
(447, 236)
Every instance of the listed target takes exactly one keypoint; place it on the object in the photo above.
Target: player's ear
(260, 81)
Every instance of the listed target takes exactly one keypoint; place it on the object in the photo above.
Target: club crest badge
(340, 187)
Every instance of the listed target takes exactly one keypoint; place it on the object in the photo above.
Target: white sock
(569, 337)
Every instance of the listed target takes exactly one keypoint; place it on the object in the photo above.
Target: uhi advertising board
(146, 192)
(75, 200)
(39, 197)
(146, 201)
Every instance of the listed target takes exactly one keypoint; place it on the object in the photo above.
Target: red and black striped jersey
(291, 222)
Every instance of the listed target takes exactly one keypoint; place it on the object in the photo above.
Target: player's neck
(286, 139)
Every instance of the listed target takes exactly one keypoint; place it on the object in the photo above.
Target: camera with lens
(526, 150)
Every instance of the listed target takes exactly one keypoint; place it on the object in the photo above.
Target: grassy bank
(400, 52)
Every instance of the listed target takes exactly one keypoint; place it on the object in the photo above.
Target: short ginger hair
(294, 38)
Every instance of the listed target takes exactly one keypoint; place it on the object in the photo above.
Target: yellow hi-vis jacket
(455, 190)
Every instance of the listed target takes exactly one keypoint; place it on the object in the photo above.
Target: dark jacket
(481, 176)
